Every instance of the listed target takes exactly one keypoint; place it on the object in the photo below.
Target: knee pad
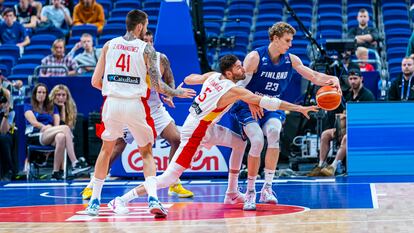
(170, 176)
(255, 135)
(272, 130)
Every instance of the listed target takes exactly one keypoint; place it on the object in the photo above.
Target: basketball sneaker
(180, 191)
(118, 206)
(328, 171)
(234, 198)
(250, 200)
(267, 195)
(316, 171)
(86, 193)
(156, 208)
(93, 207)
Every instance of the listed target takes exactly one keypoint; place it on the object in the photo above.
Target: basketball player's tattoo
(167, 75)
(155, 75)
(128, 36)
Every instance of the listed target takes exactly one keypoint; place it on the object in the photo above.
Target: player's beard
(240, 77)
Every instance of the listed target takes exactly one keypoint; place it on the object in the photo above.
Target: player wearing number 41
(217, 95)
(268, 73)
(124, 64)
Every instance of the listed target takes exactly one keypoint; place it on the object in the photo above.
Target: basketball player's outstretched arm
(268, 103)
(99, 69)
(155, 76)
(315, 77)
(194, 79)
(166, 71)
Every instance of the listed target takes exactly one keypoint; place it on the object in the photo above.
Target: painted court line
(374, 196)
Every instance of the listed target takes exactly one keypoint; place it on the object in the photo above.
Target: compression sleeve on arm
(271, 104)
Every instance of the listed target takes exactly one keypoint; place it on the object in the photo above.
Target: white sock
(335, 164)
(90, 184)
(150, 185)
(320, 163)
(97, 188)
(74, 163)
(233, 183)
(129, 196)
(251, 182)
(269, 175)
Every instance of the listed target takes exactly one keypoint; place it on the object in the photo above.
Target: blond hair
(70, 106)
(280, 28)
(360, 51)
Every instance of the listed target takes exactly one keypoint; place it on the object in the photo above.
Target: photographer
(7, 162)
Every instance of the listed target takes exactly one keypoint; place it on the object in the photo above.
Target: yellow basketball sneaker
(180, 191)
(86, 193)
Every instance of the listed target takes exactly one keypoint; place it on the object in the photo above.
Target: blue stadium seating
(86, 28)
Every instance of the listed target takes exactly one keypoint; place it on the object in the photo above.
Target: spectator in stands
(67, 3)
(402, 88)
(12, 32)
(1, 6)
(58, 15)
(38, 6)
(26, 15)
(8, 160)
(364, 35)
(58, 58)
(362, 55)
(43, 128)
(410, 47)
(90, 54)
(62, 98)
(89, 12)
(357, 93)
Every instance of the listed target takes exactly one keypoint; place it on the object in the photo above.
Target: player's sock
(151, 186)
(233, 182)
(129, 196)
(90, 184)
(97, 188)
(251, 182)
(269, 175)
(335, 164)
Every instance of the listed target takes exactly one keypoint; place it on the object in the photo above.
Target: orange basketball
(328, 98)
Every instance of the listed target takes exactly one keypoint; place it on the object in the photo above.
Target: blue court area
(335, 193)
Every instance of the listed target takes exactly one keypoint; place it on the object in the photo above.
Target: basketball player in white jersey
(164, 126)
(124, 64)
(218, 93)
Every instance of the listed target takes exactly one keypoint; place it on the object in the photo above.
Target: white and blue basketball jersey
(271, 79)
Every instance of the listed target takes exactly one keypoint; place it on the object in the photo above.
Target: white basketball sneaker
(267, 195)
(118, 206)
(234, 198)
(250, 200)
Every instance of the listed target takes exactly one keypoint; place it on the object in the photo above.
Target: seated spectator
(357, 93)
(90, 54)
(42, 128)
(402, 88)
(8, 167)
(62, 98)
(26, 15)
(58, 15)
(362, 55)
(38, 6)
(12, 32)
(67, 3)
(89, 12)
(58, 58)
(364, 35)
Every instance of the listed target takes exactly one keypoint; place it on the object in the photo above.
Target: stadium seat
(38, 50)
(10, 50)
(114, 29)
(42, 39)
(24, 69)
(86, 28)
(31, 59)
(133, 4)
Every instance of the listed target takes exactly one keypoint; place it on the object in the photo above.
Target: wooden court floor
(366, 207)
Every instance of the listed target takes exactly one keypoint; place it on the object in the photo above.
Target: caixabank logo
(205, 160)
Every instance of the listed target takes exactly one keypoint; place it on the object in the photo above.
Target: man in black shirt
(26, 14)
(365, 36)
(402, 88)
(357, 91)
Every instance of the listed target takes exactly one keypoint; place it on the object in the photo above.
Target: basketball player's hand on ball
(169, 101)
(334, 82)
(257, 111)
(306, 109)
(185, 92)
